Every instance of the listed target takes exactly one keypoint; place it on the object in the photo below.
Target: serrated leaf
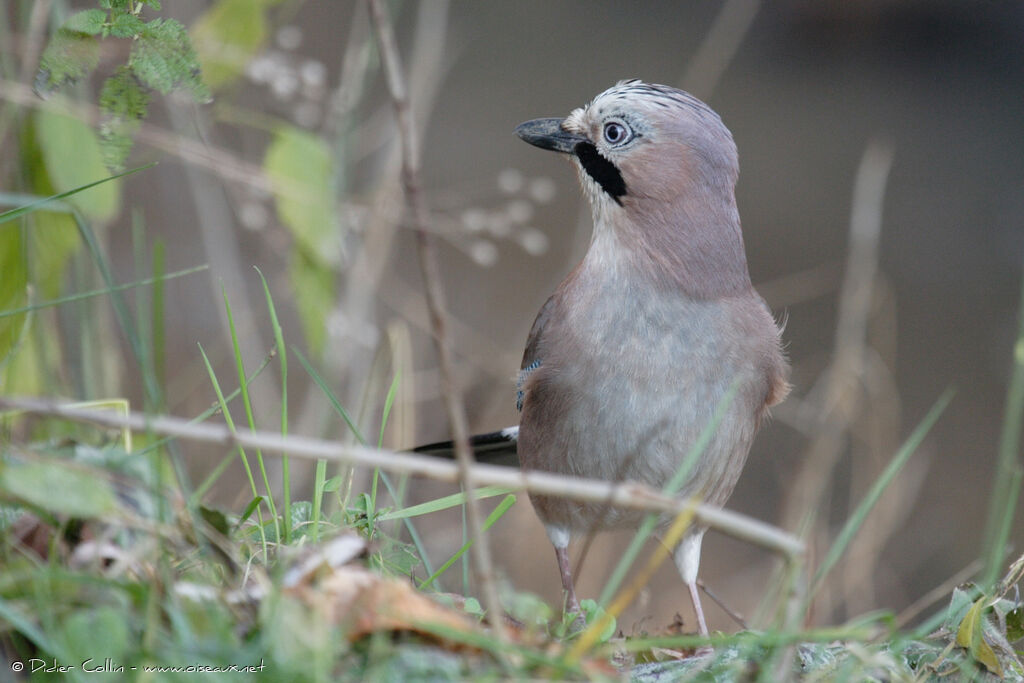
(69, 56)
(59, 489)
(89, 21)
(163, 59)
(971, 635)
(126, 25)
(58, 133)
(227, 36)
(124, 102)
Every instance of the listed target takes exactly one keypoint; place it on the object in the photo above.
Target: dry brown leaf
(365, 603)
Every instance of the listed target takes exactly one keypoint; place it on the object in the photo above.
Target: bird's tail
(497, 448)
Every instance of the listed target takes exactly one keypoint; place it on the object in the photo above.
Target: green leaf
(123, 102)
(971, 636)
(53, 239)
(313, 286)
(69, 56)
(59, 489)
(90, 21)
(215, 518)
(1015, 624)
(227, 36)
(13, 292)
(58, 133)
(592, 612)
(126, 25)
(163, 59)
(333, 484)
(299, 164)
(249, 509)
(472, 606)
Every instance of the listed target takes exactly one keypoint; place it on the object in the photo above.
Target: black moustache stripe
(604, 172)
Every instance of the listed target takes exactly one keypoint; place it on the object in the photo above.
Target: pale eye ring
(616, 133)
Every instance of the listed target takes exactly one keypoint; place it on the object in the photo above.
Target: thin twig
(736, 616)
(436, 305)
(629, 495)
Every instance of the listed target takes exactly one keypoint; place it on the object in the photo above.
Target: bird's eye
(615, 133)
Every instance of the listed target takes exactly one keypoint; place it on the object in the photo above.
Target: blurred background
(806, 88)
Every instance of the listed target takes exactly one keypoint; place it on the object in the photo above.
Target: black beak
(548, 134)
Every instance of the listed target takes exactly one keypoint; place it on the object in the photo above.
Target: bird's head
(638, 141)
(660, 169)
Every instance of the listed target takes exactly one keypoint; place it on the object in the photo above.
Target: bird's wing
(500, 447)
(531, 356)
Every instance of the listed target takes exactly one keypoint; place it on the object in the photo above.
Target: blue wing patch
(523, 374)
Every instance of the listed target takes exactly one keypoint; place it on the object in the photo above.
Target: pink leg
(687, 557)
(572, 605)
(695, 597)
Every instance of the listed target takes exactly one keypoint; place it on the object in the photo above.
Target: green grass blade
(238, 447)
(11, 214)
(856, 520)
(80, 296)
(282, 354)
(445, 503)
(414, 535)
(243, 384)
(321, 465)
(502, 508)
(210, 480)
(389, 400)
(335, 403)
(209, 412)
(157, 329)
(123, 317)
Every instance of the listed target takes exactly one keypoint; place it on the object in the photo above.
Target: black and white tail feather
(497, 448)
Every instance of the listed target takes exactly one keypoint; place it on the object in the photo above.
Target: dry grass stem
(452, 395)
(629, 495)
